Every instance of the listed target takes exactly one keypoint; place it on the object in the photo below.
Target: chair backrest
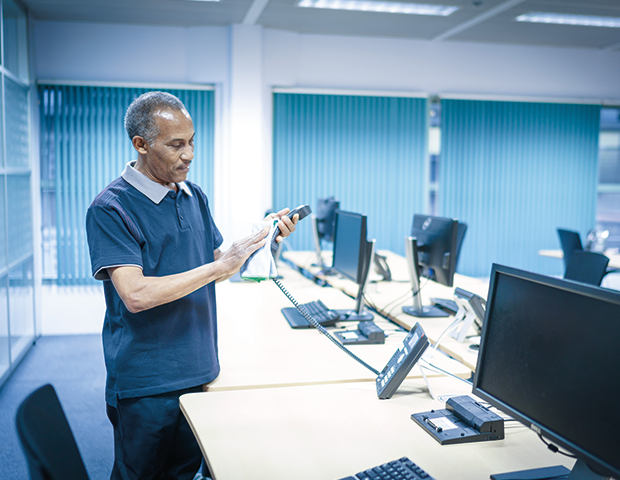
(46, 438)
(569, 241)
(587, 267)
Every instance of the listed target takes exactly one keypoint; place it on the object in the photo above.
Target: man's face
(168, 159)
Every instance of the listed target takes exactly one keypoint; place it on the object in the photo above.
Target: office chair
(570, 241)
(587, 267)
(46, 438)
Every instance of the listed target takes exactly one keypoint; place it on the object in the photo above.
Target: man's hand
(286, 225)
(240, 251)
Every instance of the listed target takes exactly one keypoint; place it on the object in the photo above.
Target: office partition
(370, 152)
(514, 172)
(84, 146)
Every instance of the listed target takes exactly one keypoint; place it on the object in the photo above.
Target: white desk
(385, 295)
(258, 348)
(332, 431)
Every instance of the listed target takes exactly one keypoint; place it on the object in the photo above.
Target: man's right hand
(240, 251)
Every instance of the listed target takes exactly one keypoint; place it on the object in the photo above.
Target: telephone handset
(303, 211)
(401, 363)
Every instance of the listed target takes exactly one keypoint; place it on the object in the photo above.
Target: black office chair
(570, 241)
(587, 267)
(46, 438)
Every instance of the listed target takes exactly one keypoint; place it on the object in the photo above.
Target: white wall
(244, 62)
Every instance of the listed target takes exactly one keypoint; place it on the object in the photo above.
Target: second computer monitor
(436, 240)
(352, 256)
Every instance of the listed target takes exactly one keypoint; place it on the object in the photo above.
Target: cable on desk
(320, 327)
(430, 366)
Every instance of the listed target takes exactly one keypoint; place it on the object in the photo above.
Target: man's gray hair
(140, 116)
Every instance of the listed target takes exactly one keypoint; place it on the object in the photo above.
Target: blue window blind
(515, 172)
(369, 152)
(84, 146)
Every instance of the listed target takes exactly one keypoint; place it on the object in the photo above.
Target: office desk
(258, 348)
(614, 256)
(332, 431)
(384, 296)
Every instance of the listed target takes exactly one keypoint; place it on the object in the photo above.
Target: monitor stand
(417, 310)
(580, 471)
(360, 314)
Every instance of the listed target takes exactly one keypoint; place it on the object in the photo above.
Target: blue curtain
(84, 147)
(515, 172)
(369, 152)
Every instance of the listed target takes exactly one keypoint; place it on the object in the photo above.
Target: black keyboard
(316, 309)
(401, 469)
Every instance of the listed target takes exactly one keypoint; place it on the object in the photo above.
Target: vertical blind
(515, 172)
(367, 151)
(84, 146)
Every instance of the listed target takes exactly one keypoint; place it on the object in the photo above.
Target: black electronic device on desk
(400, 469)
(463, 420)
(401, 363)
(431, 252)
(323, 315)
(549, 358)
(367, 333)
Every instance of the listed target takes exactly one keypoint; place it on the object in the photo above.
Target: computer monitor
(549, 358)
(323, 226)
(352, 258)
(431, 252)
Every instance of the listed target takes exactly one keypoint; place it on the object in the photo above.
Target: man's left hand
(286, 225)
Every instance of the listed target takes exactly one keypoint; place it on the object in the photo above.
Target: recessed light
(564, 19)
(377, 6)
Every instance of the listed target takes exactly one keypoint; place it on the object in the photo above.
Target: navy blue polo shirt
(138, 222)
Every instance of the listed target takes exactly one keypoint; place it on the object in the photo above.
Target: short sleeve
(110, 242)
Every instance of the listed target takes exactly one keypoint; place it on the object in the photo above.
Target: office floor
(73, 364)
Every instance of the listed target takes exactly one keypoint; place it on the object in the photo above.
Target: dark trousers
(152, 439)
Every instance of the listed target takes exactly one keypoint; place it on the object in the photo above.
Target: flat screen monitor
(326, 217)
(352, 255)
(549, 358)
(431, 252)
(436, 239)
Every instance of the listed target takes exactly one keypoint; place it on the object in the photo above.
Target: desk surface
(257, 347)
(389, 297)
(332, 431)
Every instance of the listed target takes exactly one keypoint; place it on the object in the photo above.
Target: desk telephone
(403, 360)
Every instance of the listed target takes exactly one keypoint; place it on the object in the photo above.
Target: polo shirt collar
(154, 191)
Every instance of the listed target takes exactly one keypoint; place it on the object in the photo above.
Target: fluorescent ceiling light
(376, 6)
(564, 19)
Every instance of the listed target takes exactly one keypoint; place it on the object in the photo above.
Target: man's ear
(139, 144)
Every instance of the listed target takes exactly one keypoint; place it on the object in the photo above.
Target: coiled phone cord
(320, 327)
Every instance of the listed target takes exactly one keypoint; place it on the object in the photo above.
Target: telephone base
(428, 311)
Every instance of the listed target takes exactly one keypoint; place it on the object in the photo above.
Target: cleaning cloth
(261, 265)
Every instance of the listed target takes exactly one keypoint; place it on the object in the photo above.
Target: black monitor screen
(326, 217)
(350, 245)
(550, 357)
(436, 240)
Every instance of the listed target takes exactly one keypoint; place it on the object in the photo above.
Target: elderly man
(155, 245)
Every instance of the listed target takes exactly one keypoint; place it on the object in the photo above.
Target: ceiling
(488, 21)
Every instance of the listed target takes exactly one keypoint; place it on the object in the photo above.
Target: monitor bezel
(361, 262)
(601, 466)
